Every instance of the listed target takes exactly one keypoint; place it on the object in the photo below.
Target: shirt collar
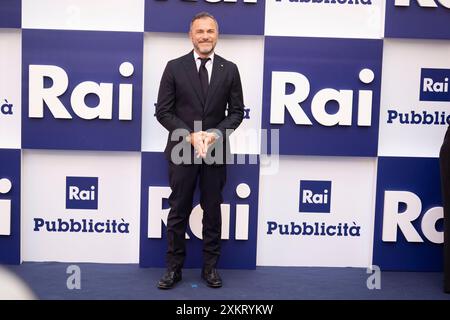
(196, 56)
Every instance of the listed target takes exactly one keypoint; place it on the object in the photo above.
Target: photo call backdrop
(346, 106)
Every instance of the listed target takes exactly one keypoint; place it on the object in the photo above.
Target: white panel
(10, 88)
(400, 90)
(44, 196)
(102, 15)
(289, 18)
(5, 217)
(242, 218)
(352, 200)
(159, 48)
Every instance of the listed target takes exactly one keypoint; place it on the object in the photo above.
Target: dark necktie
(203, 74)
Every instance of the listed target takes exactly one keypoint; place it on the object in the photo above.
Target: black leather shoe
(212, 278)
(169, 279)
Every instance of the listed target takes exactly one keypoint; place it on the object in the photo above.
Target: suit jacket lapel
(216, 77)
(191, 70)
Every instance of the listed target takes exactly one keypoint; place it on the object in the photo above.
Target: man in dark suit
(199, 102)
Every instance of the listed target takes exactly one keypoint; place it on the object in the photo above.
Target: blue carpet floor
(119, 281)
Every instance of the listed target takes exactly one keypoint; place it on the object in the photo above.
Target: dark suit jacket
(181, 102)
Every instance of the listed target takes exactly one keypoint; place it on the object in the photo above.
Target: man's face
(204, 36)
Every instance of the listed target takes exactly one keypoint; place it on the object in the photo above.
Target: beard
(206, 50)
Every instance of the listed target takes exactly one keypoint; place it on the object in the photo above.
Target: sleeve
(165, 106)
(235, 105)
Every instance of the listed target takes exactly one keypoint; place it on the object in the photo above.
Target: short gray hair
(202, 15)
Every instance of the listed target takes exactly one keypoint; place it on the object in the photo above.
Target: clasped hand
(201, 141)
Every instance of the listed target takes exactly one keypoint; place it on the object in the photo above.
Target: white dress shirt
(208, 64)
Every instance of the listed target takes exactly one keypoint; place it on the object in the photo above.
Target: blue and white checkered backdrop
(347, 102)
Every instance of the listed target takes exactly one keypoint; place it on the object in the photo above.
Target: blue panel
(421, 177)
(315, 196)
(326, 63)
(10, 170)
(82, 193)
(417, 22)
(10, 13)
(434, 84)
(83, 56)
(233, 17)
(239, 254)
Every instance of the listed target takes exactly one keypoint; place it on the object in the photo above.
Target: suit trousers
(183, 181)
(444, 161)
